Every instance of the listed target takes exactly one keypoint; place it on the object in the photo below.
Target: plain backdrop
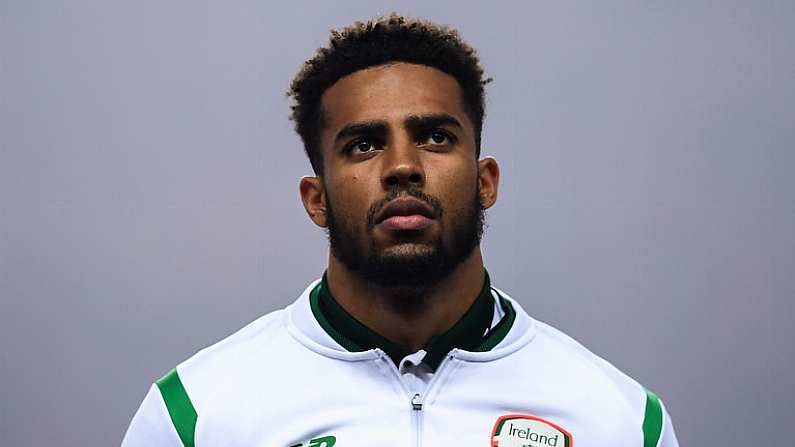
(149, 194)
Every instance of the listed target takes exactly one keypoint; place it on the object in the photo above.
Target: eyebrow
(416, 123)
(362, 128)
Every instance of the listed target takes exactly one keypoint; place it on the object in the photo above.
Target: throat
(407, 303)
(413, 317)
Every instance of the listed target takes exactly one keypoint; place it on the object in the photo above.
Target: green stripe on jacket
(652, 420)
(181, 410)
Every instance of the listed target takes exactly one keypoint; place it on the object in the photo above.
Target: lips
(405, 214)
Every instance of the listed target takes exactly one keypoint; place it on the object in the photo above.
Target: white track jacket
(283, 381)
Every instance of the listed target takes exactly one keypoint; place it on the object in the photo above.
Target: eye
(436, 138)
(361, 146)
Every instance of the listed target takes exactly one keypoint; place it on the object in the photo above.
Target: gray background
(149, 198)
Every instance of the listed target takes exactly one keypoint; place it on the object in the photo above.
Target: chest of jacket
(322, 402)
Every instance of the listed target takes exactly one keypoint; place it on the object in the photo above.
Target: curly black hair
(380, 41)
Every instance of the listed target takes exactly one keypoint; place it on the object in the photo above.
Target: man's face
(400, 174)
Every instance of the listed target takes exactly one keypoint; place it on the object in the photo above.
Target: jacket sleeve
(152, 426)
(658, 431)
(668, 436)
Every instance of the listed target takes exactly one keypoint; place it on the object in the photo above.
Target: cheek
(455, 187)
(350, 195)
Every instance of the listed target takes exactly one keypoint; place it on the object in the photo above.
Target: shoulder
(600, 381)
(260, 334)
(168, 414)
(573, 354)
(264, 339)
(262, 354)
(551, 363)
(251, 348)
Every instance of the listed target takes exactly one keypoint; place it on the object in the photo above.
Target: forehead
(391, 93)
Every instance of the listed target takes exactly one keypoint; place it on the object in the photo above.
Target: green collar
(466, 334)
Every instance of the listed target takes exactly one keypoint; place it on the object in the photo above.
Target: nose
(402, 166)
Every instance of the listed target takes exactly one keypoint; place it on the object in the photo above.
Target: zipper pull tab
(416, 402)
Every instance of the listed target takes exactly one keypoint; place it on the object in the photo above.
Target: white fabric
(282, 380)
(151, 424)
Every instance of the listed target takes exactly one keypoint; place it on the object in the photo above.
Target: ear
(489, 180)
(313, 194)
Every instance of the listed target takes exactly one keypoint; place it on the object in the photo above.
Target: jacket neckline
(304, 327)
(472, 332)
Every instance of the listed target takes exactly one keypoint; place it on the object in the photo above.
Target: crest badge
(523, 430)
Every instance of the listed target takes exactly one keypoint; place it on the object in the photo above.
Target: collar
(471, 333)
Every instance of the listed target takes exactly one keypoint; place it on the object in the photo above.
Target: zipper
(416, 399)
(416, 409)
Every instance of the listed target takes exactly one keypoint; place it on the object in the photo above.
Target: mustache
(433, 202)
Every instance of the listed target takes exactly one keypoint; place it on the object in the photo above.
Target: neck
(408, 316)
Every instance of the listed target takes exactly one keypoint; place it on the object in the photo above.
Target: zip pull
(416, 402)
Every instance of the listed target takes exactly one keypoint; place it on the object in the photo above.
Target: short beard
(415, 271)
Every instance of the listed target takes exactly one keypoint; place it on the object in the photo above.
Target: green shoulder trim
(652, 420)
(181, 410)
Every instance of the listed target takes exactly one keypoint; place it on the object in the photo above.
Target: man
(403, 341)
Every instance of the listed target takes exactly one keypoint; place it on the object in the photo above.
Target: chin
(408, 250)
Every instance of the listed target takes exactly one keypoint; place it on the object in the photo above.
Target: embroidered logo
(325, 441)
(522, 430)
